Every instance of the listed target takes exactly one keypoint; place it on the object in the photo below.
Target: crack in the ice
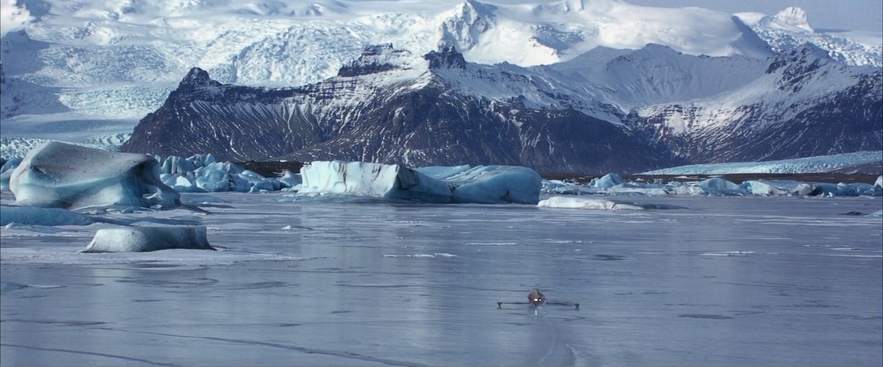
(89, 353)
(348, 355)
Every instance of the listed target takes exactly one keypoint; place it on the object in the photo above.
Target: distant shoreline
(864, 175)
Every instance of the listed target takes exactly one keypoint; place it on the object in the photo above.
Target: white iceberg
(144, 239)
(372, 179)
(41, 216)
(767, 188)
(68, 176)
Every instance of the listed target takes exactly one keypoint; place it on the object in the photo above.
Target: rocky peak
(807, 54)
(446, 58)
(197, 78)
(377, 59)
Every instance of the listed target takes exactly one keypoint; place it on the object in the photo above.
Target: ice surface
(145, 239)
(730, 281)
(41, 216)
(61, 175)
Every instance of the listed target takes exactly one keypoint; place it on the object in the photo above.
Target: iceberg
(490, 184)
(6, 172)
(459, 184)
(565, 202)
(145, 239)
(393, 182)
(607, 181)
(69, 176)
(41, 216)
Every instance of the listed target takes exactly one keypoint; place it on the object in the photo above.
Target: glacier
(825, 163)
(68, 176)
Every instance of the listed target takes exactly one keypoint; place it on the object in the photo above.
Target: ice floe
(145, 239)
(578, 202)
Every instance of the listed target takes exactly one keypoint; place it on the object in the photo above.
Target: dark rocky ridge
(347, 118)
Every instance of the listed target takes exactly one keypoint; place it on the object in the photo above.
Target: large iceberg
(490, 184)
(69, 176)
(145, 239)
(372, 179)
(460, 184)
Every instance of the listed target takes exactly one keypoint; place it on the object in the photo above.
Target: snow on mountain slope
(804, 104)
(654, 74)
(789, 84)
(81, 64)
(791, 28)
(549, 33)
(128, 53)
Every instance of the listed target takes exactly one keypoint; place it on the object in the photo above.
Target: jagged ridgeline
(607, 110)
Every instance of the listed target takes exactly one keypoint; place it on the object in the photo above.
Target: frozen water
(41, 216)
(726, 281)
(68, 176)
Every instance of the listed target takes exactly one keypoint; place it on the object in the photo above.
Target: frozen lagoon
(727, 281)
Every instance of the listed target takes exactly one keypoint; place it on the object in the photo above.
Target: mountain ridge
(444, 111)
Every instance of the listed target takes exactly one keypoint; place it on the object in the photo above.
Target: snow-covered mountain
(791, 28)
(81, 64)
(120, 59)
(392, 106)
(589, 114)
